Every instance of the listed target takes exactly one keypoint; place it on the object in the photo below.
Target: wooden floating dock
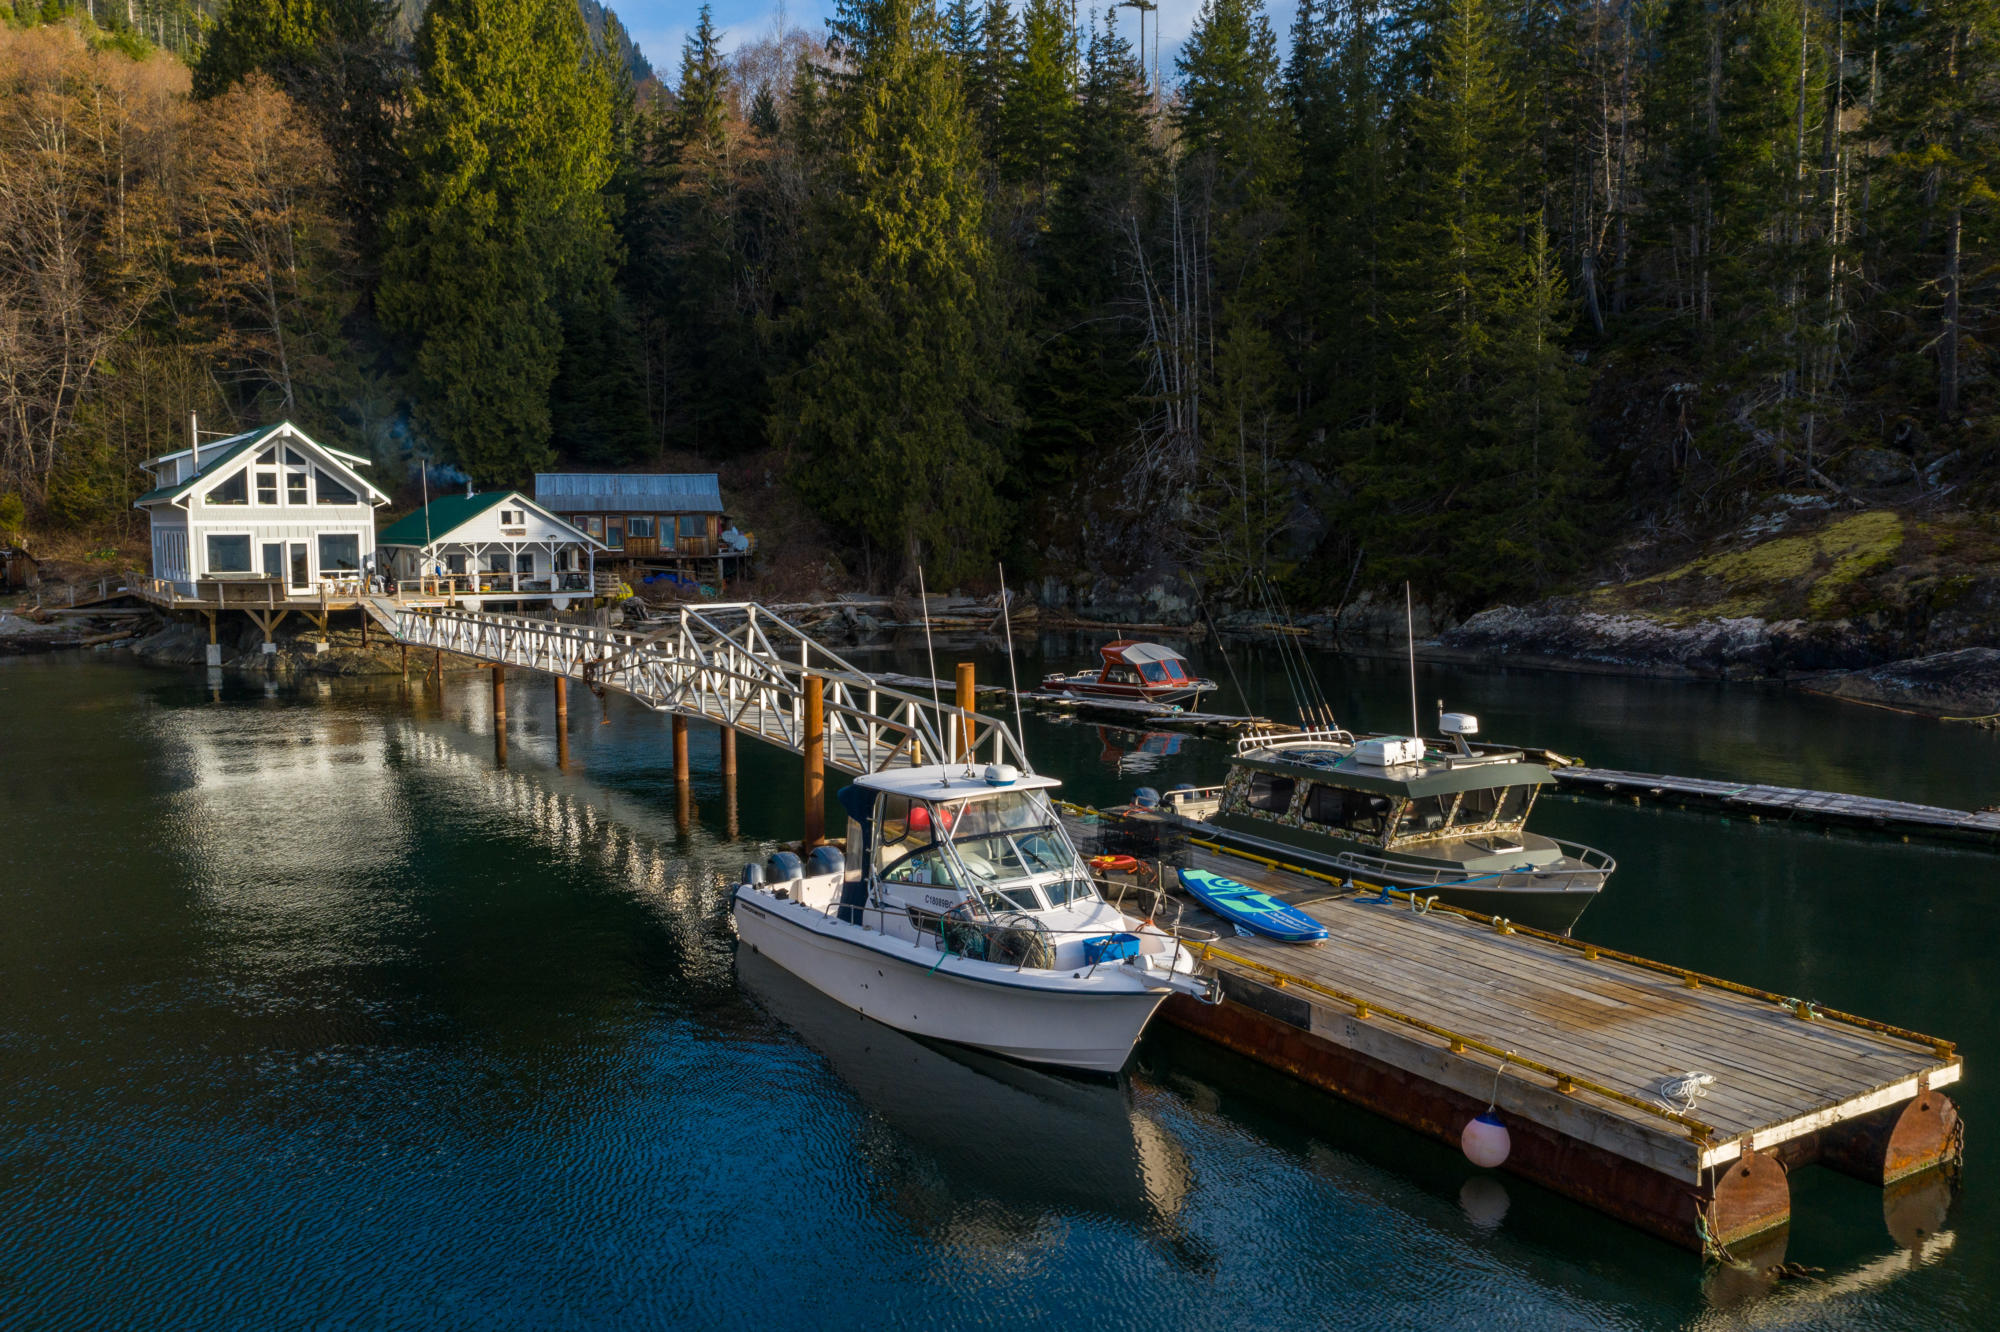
(1788, 803)
(1425, 1016)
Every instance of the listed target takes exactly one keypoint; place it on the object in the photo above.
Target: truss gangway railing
(737, 665)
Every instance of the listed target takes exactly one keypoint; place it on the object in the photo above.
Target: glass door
(274, 559)
(301, 569)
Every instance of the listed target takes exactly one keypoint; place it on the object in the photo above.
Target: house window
(498, 561)
(267, 486)
(526, 562)
(295, 487)
(228, 554)
(512, 518)
(231, 490)
(594, 525)
(331, 491)
(639, 525)
(339, 553)
(454, 564)
(269, 457)
(614, 533)
(694, 526)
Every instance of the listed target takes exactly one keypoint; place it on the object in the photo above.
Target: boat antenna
(930, 655)
(1322, 707)
(1410, 635)
(1013, 680)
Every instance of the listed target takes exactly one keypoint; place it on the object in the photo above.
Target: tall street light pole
(1146, 7)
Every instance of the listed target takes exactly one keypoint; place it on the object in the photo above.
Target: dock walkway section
(1788, 802)
(1427, 1016)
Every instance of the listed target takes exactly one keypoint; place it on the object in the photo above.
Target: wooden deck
(1788, 802)
(1426, 1016)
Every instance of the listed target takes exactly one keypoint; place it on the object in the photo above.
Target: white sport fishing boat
(961, 911)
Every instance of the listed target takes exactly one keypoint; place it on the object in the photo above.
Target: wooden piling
(729, 751)
(562, 703)
(499, 698)
(815, 747)
(406, 661)
(967, 700)
(680, 751)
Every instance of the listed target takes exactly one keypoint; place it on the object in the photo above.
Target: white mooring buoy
(1485, 1141)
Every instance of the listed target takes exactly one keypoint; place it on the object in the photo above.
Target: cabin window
(1121, 675)
(228, 554)
(1154, 672)
(639, 525)
(267, 487)
(339, 552)
(1360, 813)
(331, 491)
(295, 487)
(1270, 793)
(1428, 814)
(614, 533)
(1478, 806)
(230, 490)
(904, 827)
(1514, 802)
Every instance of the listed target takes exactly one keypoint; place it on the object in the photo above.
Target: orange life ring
(1114, 864)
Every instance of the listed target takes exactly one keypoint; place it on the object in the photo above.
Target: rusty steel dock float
(1428, 1014)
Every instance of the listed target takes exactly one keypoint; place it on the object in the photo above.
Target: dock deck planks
(1601, 1020)
(1788, 802)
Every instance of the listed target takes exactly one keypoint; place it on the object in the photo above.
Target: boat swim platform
(1427, 1015)
(1788, 803)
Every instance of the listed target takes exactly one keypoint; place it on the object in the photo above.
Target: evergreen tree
(895, 419)
(337, 59)
(1081, 388)
(1038, 104)
(504, 226)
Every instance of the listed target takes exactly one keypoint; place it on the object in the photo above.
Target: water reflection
(989, 1129)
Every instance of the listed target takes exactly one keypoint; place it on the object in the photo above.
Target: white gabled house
(268, 505)
(498, 545)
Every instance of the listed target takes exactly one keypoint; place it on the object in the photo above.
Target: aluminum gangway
(735, 664)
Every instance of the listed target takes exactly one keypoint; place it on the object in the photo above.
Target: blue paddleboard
(1260, 913)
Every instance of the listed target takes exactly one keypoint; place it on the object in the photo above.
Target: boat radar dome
(1002, 774)
(1458, 723)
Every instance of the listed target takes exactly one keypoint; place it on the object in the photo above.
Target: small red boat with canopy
(1137, 672)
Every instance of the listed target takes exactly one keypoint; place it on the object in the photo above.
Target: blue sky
(660, 26)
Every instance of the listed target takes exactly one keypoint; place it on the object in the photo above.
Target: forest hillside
(1506, 300)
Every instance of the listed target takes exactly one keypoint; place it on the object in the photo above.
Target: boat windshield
(1009, 846)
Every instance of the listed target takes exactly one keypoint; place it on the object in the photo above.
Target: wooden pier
(1788, 803)
(1427, 1015)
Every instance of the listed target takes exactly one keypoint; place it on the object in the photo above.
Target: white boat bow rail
(735, 664)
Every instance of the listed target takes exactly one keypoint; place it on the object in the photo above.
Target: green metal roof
(174, 492)
(444, 514)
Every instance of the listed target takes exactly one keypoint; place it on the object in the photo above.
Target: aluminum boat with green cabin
(1431, 817)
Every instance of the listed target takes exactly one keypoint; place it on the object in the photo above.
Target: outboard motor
(753, 873)
(783, 867)
(1146, 798)
(826, 860)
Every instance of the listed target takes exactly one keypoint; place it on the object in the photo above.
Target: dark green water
(312, 1015)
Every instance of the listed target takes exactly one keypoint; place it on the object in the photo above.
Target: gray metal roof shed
(621, 492)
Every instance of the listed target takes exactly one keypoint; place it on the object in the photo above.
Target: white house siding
(170, 547)
(285, 538)
(266, 527)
